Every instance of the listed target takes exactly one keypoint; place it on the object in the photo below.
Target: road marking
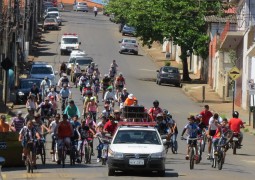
(147, 70)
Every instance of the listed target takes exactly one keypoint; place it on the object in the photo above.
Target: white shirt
(109, 95)
(212, 124)
(95, 8)
(53, 126)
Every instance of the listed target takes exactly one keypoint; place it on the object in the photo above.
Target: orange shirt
(235, 124)
(64, 129)
(129, 102)
(4, 127)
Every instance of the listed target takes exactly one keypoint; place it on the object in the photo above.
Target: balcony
(230, 37)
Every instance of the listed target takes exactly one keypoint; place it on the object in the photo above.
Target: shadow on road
(147, 174)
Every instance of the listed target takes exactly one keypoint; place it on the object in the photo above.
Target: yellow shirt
(4, 127)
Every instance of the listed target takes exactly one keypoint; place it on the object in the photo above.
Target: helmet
(110, 87)
(120, 73)
(235, 114)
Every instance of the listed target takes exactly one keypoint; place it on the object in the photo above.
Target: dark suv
(168, 75)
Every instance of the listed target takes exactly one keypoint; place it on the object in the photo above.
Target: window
(130, 41)
(70, 40)
(41, 70)
(28, 84)
(137, 137)
(170, 70)
(82, 4)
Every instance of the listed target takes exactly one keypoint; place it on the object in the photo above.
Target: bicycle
(192, 151)
(170, 144)
(40, 150)
(63, 152)
(30, 156)
(104, 153)
(64, 103)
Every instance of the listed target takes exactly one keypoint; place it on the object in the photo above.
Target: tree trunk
(185, 68)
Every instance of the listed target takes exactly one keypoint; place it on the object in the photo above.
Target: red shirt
(153, 112)
(110, 127)
(64, 129)
(206, 115)
(235, 124)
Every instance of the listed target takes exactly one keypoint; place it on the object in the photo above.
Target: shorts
(192, 142)
(27, 145)
(120, 87)
(66, 140)
(212, 132)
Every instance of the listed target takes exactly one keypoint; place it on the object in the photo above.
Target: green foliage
(246, 130)
(183, 20)
(232, 56)
(167, 63)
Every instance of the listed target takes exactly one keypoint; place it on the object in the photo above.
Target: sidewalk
(194, 90)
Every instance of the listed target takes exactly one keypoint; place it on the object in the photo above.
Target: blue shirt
(192, 130)
(64, 93)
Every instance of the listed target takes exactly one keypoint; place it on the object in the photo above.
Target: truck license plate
(136, 162)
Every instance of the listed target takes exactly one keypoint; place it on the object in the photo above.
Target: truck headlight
(158, 155)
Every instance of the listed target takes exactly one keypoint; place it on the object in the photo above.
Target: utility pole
(1, 37)
(27, 29)
(17, 32)
(6, 52)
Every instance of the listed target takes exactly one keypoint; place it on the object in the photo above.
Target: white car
(40, 70)
(74, 54)
(80, 6)
(128, 45)
(68, 43)
(136, 147)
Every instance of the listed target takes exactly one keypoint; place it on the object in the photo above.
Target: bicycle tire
(191, 156)
(220, 160)
(90, 153)
(63, 157)
(204, 143)
(43, 154)
(28, 166)
(81, 151)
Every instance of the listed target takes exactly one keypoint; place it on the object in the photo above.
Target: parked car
(49, 9)
(40, 70)
(50, 24)
(128, 45)
(128, 30)
(54, 14)
(80, 6)
(168, 75)
(24, 89)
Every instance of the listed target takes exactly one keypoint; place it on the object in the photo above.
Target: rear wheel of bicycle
(72, 156)
(203, 143)
(88, 152)
(43, 154)
(28, 166)
(63, 157)
(220, 161)
(191, 156)
(213, 162)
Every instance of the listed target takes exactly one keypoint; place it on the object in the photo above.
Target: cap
(191, 117)
(77, 64)
(19, 112)
(124, 89)
(110, 87)
(130, 96)
(71, 101)
(64, 74)
(92, 98)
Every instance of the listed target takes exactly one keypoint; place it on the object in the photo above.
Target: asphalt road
(99, 39)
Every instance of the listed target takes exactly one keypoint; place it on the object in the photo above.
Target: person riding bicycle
(92, 108)
(109, 96)
(53, 128)
(64, 134)
(72, 110)
(123, 96)
(221, 128)
(46, 108)
(108, 110)
(110, 127)
(27, 136)
(155, 110)
(114, 65)
(192, 133)
(161, 124)
(45, 86)
(96, 89)
(106, 81)
(112, 74)
(212, 130)
(90, 71)
(39, 126)
(77, 72)
(117, 115)
(62, 68)
(206, 115)
(54, 105)
(64, 94)
(119, 83)
(83, 81)
(63, 80)
(17, 122)
(54, 94)
(235, 124)
(86, 89)
(36, 91)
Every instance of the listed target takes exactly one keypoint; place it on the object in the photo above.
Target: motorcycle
(234, 142)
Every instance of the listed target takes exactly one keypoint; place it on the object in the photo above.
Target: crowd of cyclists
(68, 127)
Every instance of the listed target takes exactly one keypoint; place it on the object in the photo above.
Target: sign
(234, 73)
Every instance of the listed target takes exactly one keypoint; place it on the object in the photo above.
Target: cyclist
(96, 89)
(54, 105)
(119, 84)
(92, 108)
(155, 110)
(117, 116)
(64, 133)
(109, 96)
(112, 74)
(39, 126)
(192, 133)
(63, 80)
(35, 90)
(105, 84)
(90, 71)
(206, 115)
(221, 128)
(75, 121)
(53, 93)
(212, 130)
(62, 69)
(235, 123)
(123, 97)
(161, 124)
(130, 100)
(107, 111)
(64, 94)
(17, 122)
(4, 127)
(83, 81)
(30, 115)
(110, 127)
(45, 86)
(86, 89)
(77, 72)
(46, 108)
(53, 128)
(86, 101)
(27, 135)
(72, 110)
(114, 65)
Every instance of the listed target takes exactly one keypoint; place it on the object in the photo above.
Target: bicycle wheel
(191, 157)
(203, 143)
(220, 160)
(81, 151)
(72, 155)
(86, 159)
(43, 154)
(28, 166)
(63, 157)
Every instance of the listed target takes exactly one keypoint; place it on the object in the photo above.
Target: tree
(183, 20)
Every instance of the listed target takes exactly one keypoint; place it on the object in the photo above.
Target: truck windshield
(137, 137)
(70, 41)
